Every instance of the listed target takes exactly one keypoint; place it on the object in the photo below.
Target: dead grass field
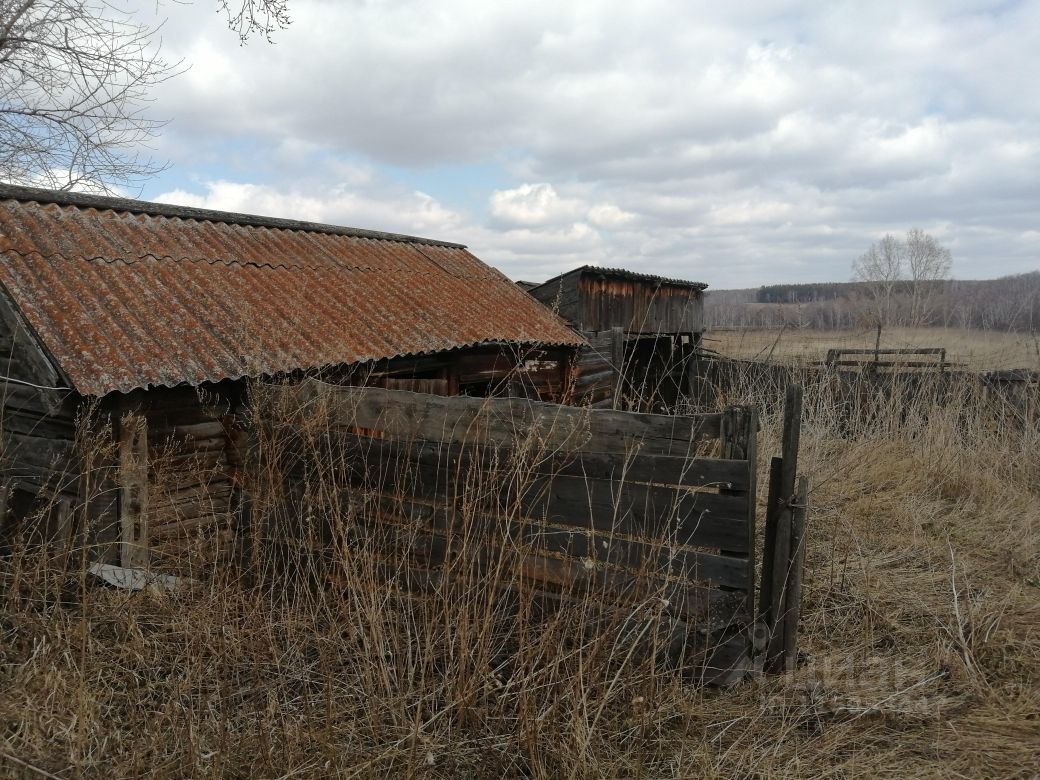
(920, 645)
(975, 349)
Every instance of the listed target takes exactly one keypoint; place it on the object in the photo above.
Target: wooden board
(510, 421)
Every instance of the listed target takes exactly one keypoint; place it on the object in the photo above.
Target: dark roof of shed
(126, 294)
(623, 273)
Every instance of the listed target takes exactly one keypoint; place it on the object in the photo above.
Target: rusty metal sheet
(123, 299)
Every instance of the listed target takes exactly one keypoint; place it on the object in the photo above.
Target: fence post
(793, 599)
(781, 502)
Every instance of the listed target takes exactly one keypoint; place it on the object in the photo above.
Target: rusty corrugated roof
(624, 273)
(125, 294)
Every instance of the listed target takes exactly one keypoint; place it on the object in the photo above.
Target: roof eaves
(624, 274)
(578, 341)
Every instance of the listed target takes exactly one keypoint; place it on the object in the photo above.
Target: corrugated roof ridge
(624, 272)
(109, 203)
(219, 261)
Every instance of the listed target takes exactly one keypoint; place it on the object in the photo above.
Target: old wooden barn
(152, 316)
(643, 331)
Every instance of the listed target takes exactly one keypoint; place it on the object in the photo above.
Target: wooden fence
(933, 358)
(635, 508)
(1009, 397)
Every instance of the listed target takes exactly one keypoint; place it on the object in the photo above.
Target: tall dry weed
(920, 645)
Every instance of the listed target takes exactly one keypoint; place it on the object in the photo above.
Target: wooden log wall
(597, 370)
(631, 505)
(190, 467)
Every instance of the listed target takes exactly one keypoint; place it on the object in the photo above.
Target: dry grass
(921, 644)
(975, 349)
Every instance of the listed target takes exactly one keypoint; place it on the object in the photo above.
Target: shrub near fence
(645, 521)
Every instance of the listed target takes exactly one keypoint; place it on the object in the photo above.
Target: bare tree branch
(879, 270)
(75, 79)
(256, 17)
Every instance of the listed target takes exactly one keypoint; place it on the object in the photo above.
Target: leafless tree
(75, 76)
(928, 264)
(75, 84)
(879, 271)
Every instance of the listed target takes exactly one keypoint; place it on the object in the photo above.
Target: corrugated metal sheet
(124, 299)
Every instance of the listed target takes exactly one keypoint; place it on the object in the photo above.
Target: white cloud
(532, 205)
(736, 143)
(381, 208)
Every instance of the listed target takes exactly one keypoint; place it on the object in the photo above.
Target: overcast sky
(731, 143)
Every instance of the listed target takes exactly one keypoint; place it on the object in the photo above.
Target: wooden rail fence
(632, 507)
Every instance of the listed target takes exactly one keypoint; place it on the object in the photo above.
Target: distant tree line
(899, 281)
(804, 293)
(1011, 303)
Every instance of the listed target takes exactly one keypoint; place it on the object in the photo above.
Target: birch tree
(880, 270)
(928, 266)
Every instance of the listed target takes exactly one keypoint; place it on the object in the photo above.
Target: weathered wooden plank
(893, 351)
(509, 421)
(53, 454)
(620, 468)
(782, 547)
(482, 550)
(750, 435)
(688, 517)
(192, 461)
(34, 423)
(769, 606)
(133, 490)
(645, 558)
(894, 363)
(188, 523)
(640, 556)
(209, 494)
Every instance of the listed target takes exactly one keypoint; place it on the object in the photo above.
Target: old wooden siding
(561, 295)
(639, 306)
(592, 300)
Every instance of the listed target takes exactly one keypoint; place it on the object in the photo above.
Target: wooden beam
(509, 421)
(133, 488)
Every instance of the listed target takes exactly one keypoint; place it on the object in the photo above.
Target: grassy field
(920, 649)
(975, 349)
